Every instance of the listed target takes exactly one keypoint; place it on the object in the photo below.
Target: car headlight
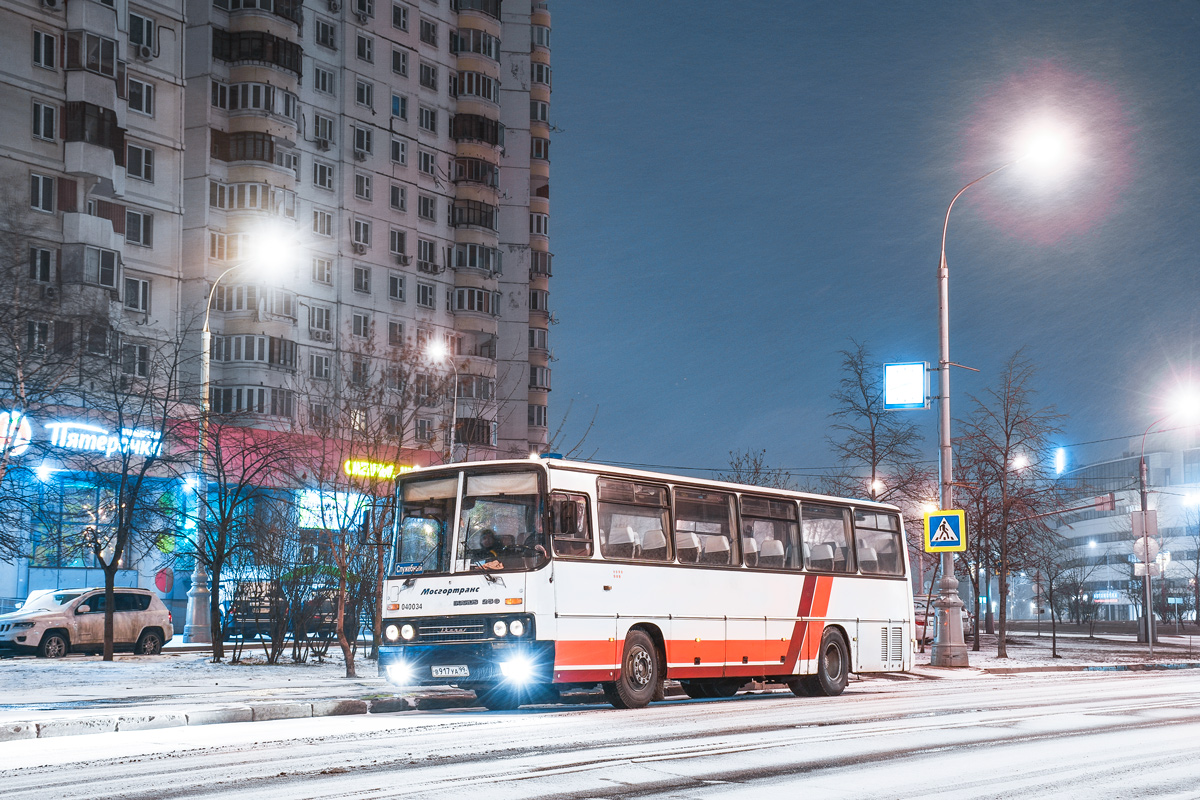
(407, 632)
(516, 627)
(20, 626)
(391, 632)
(499, 628)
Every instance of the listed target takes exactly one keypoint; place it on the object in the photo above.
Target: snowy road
(1134, 734)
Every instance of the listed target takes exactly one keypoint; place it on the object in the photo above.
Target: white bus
(520, 578)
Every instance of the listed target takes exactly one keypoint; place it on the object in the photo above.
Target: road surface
(1123, 734)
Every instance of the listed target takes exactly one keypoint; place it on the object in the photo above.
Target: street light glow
(437, 350)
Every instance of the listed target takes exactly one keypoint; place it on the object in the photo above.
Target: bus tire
(694, 689)
(833, 665)
(801, 687)
(726, 687)
(639, 678)
(499, 698)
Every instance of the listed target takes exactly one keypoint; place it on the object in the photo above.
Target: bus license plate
(456, 671)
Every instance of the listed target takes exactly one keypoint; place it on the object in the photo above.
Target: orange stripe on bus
(568, 654)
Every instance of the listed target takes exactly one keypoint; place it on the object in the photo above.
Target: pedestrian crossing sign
(945, 531)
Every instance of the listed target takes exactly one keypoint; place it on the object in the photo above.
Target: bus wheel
(725, 688)
(694, 689)
(802, 687)
(833, 665)
(639, 678)
(499, 698)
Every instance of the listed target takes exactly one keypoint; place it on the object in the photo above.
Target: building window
(365, 49)
(400, 106)
(477, 256)
(399, 17)
(364, 93)
(539, 263)
(539, 148)
(395, 287)
(399, 151)
(427, 207)
(45, 121)
(135, 360)
(318, 366)
(540, 35)
(326, 33)
(362, 232)
(362, 140)
(429, 32)
(44, 48)
(362, 186)
(41, 192)
(40, 265)
(362, 325)
(537, 338)
(539, 224)
(319, 318)
(470, 40)
(141, 31)
(365, 8)
(539, 377)
(323, 80)
(540, 73)
(476, 84)
(539, 300)
(322, 224)
(139, 228)
(537, 415)
(323, 128)
(362, 279)
(428, 119)
(429, 75)
(91, 52)
(427, 162)
(426, 255)
(477, 300)
(399, 198)
(397, 242)
(322, 270)
(400, 62)
(137, 294)
(424, 430)
(139, 162)
(141, 97)
(539, 111)
(322, 174)
(426, 295)
(319, 415)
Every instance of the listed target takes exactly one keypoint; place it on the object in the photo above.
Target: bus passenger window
(570, 526)
(632, 518)
(770, 533)
(826, 541)
(880, 548)
(705, 518)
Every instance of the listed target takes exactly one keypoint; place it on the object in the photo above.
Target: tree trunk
(1053, 626)
(377, 633)
(343, 643)
(214, 612)
(110, 578)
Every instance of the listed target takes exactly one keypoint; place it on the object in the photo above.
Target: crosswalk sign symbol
(945, 531)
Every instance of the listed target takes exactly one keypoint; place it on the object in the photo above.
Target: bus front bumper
(468, 665)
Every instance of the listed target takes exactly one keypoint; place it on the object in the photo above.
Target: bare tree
(879, 450)
(1005, 450)
(749, 467)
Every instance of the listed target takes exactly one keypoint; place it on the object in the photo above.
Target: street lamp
(949, 647)
(270, 253)
(439, 352)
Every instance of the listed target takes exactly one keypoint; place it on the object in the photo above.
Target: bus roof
(626, 472)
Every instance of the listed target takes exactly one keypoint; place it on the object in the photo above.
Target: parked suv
(54, 622)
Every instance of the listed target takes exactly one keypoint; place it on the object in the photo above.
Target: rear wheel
(727, 687)
(640, 674)
(694, 690)
(149, 644)
(54, 645)
(833, 665)
(801, 687)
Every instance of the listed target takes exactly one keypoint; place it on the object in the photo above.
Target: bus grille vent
(897, 644)
(883, 655)
(457, 629)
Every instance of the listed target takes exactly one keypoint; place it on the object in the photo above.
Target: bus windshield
(422, 543)
(501, 524)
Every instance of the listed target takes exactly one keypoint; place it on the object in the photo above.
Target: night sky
(741, 187)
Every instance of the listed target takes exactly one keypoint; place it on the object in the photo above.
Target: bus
(521, 578)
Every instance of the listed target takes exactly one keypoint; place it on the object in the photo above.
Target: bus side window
(769, 533)
(880, 547)
(827, 545)
(570, 529)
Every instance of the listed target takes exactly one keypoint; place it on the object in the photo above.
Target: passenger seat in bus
(867, 560)
(654, 545)
(688, 547)
(822, 557)
(716, 550)
(750, 551)
(622, 543)
(771, 555)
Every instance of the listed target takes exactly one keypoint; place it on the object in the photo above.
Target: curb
(1092, 668)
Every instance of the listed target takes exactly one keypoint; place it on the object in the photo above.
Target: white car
(54, 622)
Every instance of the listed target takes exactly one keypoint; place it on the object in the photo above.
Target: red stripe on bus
(800, 629)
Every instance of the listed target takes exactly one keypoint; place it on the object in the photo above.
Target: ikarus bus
(517, 579)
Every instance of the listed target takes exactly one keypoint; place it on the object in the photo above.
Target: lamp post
(439, 352)
(1147, 625)
(197, 629)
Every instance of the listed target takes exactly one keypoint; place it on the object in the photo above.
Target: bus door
(586, 647)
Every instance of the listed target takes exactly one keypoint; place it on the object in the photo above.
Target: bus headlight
(399, 673)
(516, 627)
(392, 633)
(407, 632)
(499, 628)
(518, 669)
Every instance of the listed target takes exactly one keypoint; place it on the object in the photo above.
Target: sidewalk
(83, 694)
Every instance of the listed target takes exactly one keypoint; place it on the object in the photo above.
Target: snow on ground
(1033, 649)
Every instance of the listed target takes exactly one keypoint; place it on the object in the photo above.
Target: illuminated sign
(92, 439)
(906, 385)
(372, 469)
(329, 511)
(15, 432)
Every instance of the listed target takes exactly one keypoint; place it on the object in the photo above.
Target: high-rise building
(150, 145)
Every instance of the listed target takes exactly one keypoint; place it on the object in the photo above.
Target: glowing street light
(438, 352)
(1042, 145)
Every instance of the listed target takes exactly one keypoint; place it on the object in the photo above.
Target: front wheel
(640, 675)
(499, 698)
(833, 665)
(54, 645)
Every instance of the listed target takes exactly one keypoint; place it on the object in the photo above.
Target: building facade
(401, 149)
